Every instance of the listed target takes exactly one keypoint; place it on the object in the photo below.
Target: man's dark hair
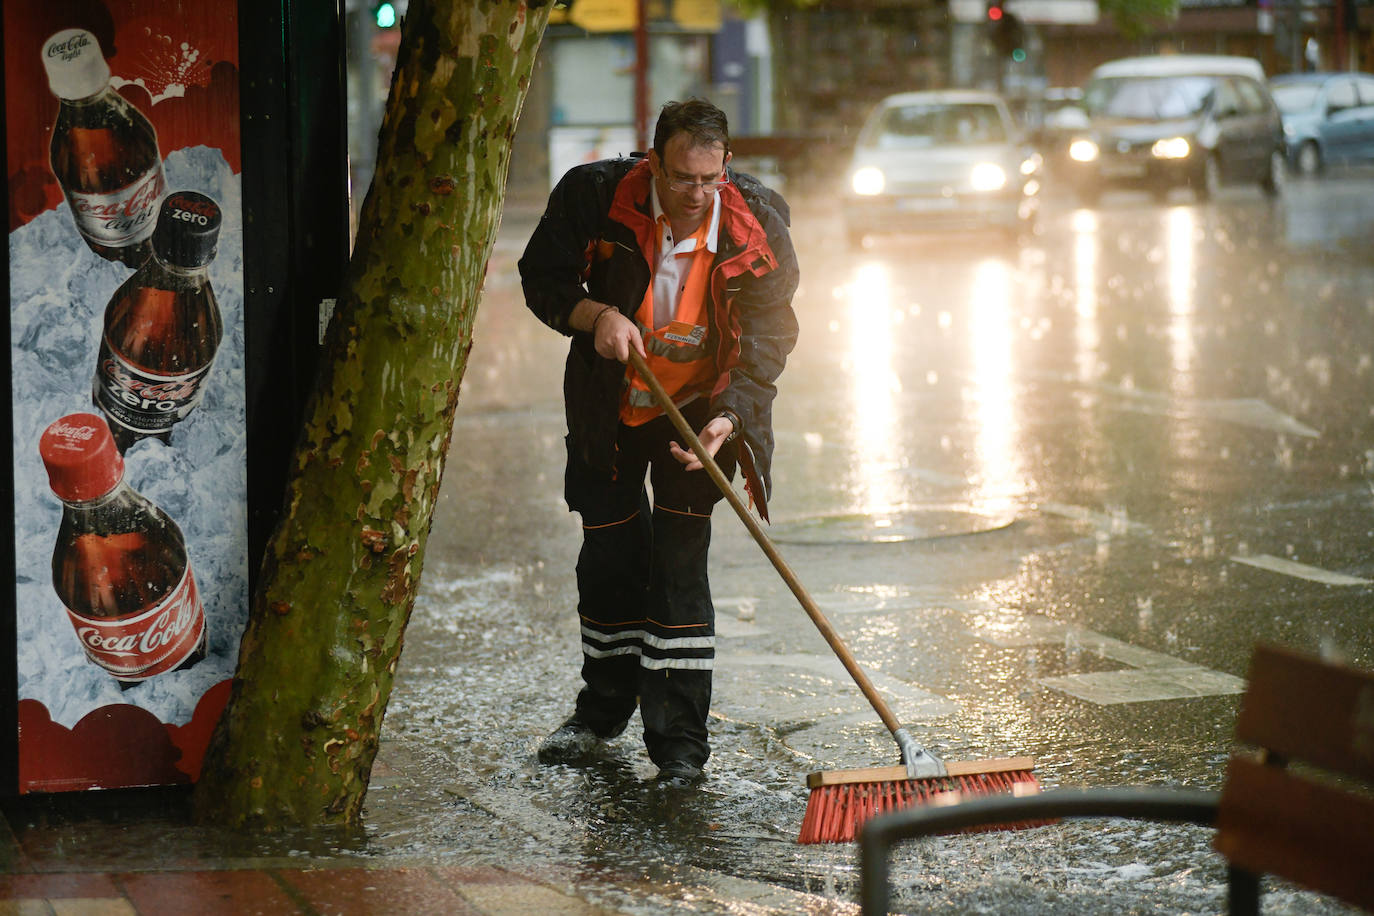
(703, 122)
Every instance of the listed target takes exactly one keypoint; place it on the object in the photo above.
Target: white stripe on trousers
(658, 642)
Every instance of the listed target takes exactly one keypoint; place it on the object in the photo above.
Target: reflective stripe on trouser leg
(612, 588)
(675, 677)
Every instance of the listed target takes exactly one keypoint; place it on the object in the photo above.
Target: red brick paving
(208, 893)
(362, 892)
(57, 887)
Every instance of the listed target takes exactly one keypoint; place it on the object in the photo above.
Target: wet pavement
(1051, 497)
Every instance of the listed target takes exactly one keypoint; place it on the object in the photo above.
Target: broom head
(842, 800)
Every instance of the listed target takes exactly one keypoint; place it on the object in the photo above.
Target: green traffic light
(1018, 55)
(386, 16)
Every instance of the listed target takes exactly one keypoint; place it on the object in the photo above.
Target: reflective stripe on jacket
(679, 353)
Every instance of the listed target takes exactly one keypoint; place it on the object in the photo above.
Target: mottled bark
(296, 744)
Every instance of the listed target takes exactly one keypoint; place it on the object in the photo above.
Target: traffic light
(1007, 32)
(385, 14)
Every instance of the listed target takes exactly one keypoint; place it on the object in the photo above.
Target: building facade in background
(797, 82)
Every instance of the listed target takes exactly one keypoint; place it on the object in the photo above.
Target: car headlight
(988, 176)
(868, 181)
(1083, 151)
(1171, 148)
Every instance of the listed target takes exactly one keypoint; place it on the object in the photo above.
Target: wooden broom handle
(827, 631)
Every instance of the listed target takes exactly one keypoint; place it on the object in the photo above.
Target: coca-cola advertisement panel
(127, 379)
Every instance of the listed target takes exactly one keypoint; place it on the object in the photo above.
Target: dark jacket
(590, 243)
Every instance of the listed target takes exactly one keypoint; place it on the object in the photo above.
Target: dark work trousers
(648, 625)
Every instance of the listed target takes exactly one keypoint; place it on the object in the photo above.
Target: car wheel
(1309, 159)
(1209, 182)
(1277, 176)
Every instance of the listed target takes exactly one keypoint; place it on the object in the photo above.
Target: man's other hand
(712, 436)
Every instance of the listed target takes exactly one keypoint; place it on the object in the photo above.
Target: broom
(842, 800)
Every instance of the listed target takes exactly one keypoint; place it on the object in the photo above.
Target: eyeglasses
(709, 187)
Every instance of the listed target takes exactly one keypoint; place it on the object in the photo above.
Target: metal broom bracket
(920, 763)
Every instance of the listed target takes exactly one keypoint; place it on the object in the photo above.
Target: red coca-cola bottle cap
(76, 67)
(81, 457)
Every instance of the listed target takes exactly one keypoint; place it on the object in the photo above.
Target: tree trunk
(296, 744)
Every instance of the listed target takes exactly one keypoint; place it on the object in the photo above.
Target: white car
(933, 162)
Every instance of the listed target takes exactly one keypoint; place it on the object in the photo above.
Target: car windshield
(1295, 98)
(1148, 98)
(937, 124)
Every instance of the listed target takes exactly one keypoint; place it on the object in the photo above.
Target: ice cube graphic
(58, 293)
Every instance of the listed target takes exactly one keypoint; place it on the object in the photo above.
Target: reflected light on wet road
(1182, 222)
(875, 484)
(995, 475)
(1087, 333)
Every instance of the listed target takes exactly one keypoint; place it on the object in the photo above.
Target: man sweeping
(690, 264)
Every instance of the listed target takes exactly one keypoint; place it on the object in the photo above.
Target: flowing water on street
(1049, 497)
(1025, 489)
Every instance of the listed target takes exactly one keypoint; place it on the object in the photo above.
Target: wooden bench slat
(1272, 822)
(1305, 709)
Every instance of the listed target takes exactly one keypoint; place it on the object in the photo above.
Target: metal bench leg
(1243, 892)
(873, 858)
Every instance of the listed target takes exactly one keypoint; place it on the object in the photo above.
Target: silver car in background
(934, 162)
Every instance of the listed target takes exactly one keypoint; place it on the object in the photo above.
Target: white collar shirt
(673, 259)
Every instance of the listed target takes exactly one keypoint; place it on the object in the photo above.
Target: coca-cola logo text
(72, 433)
(197, 211)
(119, 212)
(164, 631)
(71, 48)
(141, 393)
(151, 643)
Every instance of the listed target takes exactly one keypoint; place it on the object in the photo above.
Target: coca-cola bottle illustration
(120, 564)
(162, 327)
(103, 152)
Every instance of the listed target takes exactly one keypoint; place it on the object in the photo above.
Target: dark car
(1328, 118)
(1199, 121)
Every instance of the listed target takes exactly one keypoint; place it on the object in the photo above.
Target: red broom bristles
(836, 812)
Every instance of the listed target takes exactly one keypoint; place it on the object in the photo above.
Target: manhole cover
(888, 528)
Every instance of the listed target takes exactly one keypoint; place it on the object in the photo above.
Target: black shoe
(678, 774)
(571, 742)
